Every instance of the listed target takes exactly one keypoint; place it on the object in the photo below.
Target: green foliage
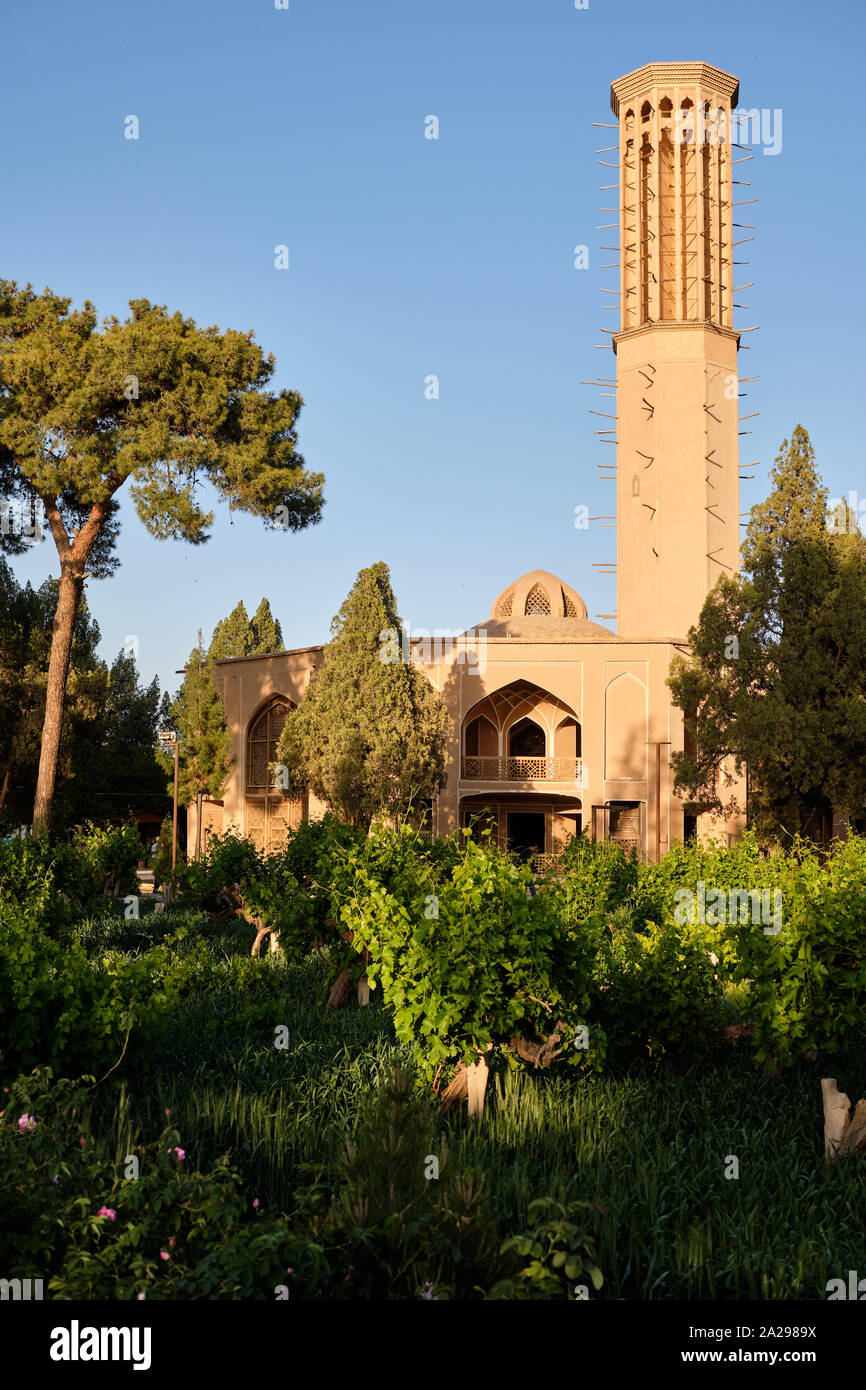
(53, 878)
(463, 955)
(199, 408)
(642, 1142)
(370, 735)
(26, 616)
(123, 772)
(657, 990)
(403, 1221)
(807, 982)
(787, 931)
(238, 635)
(162, 859)
(67, 1010)
(267, 635)
(596, 877)
(107, 857)
(559, 1252)
(288, 890)
(170, 1233)
(789, 702)
(231, 859)
(205, 757)
(153, 401)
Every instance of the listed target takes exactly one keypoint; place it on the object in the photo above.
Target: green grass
(649, 1144)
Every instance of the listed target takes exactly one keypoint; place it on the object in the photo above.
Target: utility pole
(174, 811)
(169, 739)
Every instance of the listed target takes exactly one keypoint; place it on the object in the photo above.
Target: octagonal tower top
(634, 83)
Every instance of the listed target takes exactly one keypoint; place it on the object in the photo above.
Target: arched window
(262, 739)
(526, 740)
(270, 808)
(481, 739)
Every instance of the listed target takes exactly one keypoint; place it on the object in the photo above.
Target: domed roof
(539, 594)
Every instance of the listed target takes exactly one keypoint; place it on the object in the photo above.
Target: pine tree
(776, 680)
(266, 634)
(205, 757)
(371, 732)
(155, 401)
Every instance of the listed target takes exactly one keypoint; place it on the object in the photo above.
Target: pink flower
(181, 1153)
(171, 1242)
(164, 1255)
(26, 1122)
(168, 1112)
(255, 1201)
(109, 1212)
(81, 1140)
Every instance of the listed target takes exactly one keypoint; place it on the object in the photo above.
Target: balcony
(522, 770)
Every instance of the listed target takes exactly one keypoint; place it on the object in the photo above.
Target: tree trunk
(5, 788)
(457, 1088)
(340, 991)
(261, 933)
(73, 564)
(844, 1133)
(476, 1075)
(199, 801)
(71, 586)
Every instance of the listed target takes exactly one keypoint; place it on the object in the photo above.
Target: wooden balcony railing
(523, 769)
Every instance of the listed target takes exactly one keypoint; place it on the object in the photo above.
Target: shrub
(231, 859)
(56, 879)
(169, 1233)
(807, 982)
(61, 1008)
(464, 957)
(656, 989)
(595, 877)
(559, 1252)
(402, 1221)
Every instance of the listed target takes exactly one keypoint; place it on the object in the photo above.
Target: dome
(539, 594)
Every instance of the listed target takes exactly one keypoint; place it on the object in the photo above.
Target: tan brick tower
(676, 349)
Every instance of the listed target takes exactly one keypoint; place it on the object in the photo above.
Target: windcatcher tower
(678, 522)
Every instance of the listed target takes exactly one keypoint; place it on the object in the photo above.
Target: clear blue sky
(409, 257)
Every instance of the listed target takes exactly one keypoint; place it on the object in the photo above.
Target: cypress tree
(776, 680)
(266, 634)
(370, 734)
(233, 636)
(239, 635)
(205, 757)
